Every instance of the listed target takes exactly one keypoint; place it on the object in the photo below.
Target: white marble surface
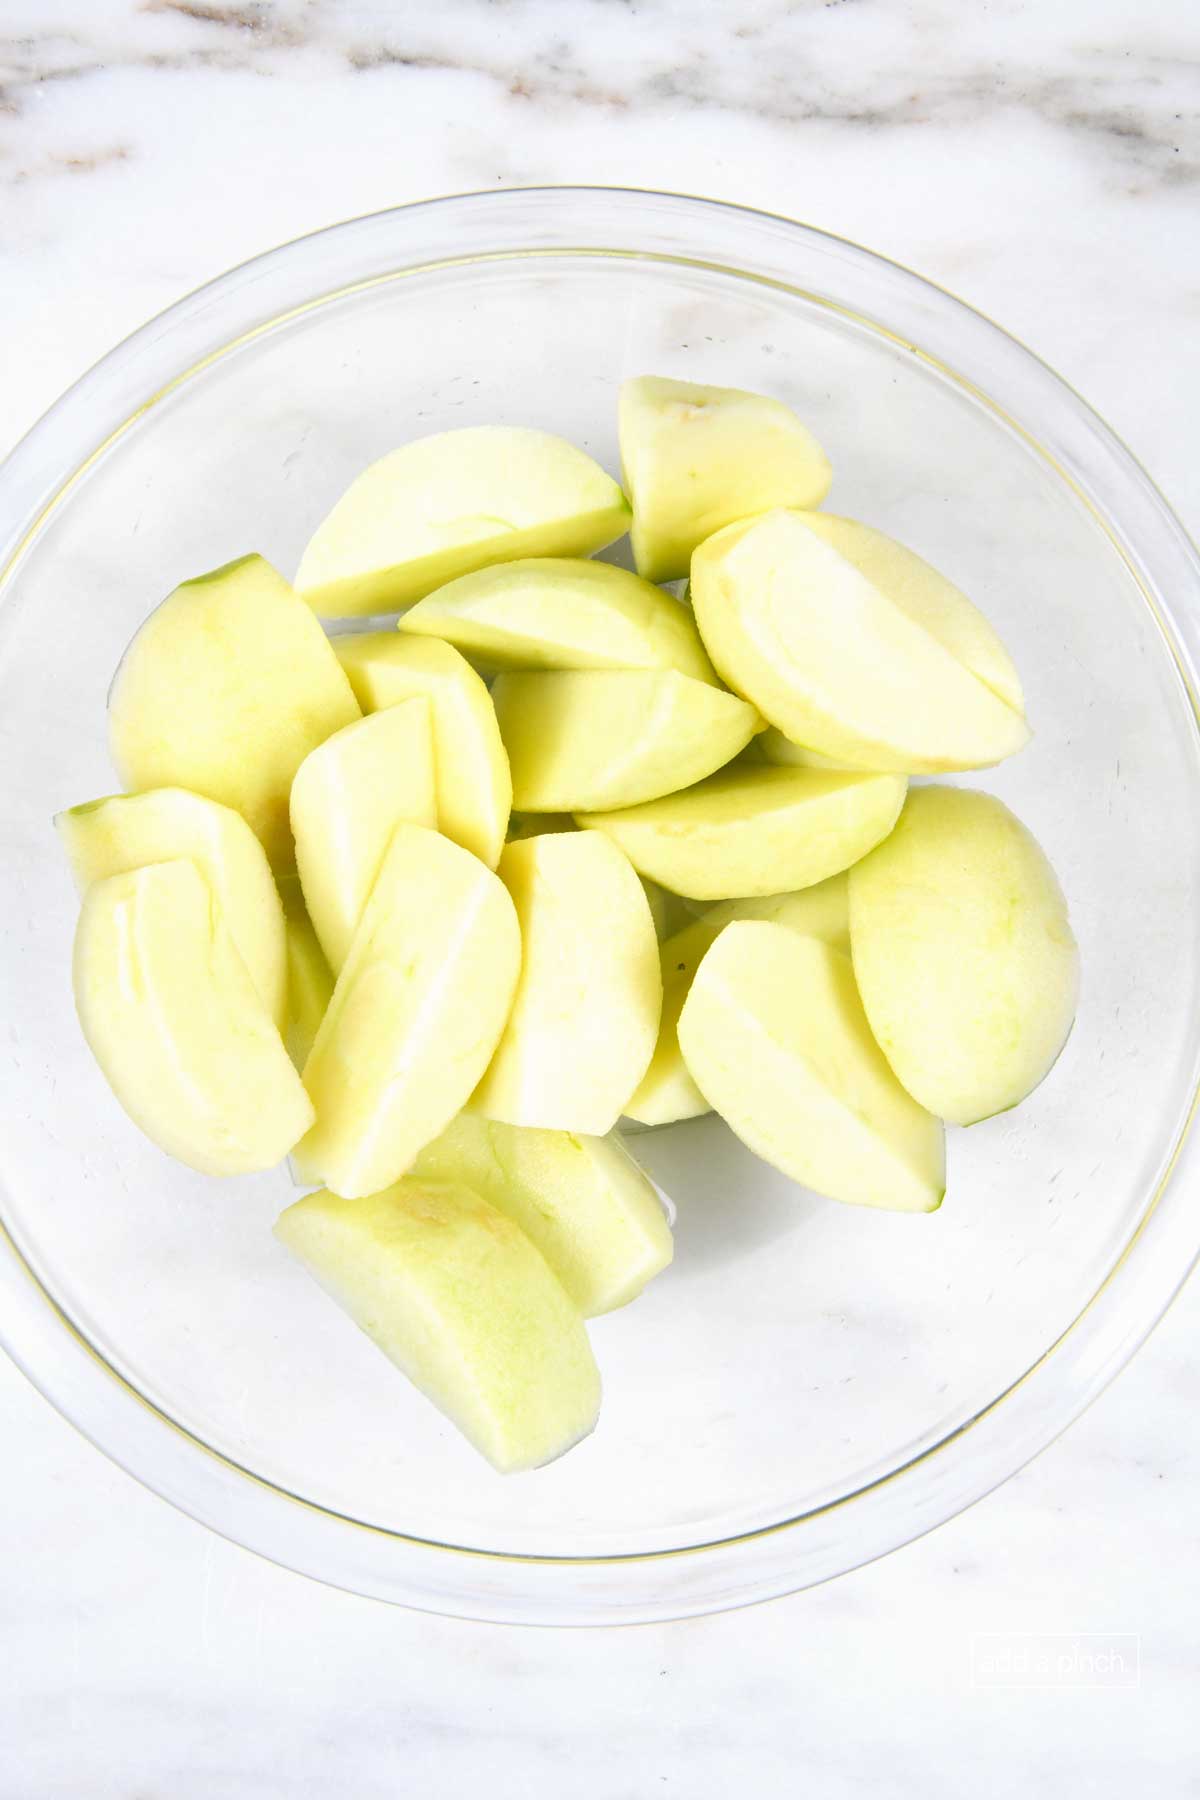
(1042, 160)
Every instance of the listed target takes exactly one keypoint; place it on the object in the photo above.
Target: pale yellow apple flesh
(834, 662)
(474, 788)
(225, 689)
(347, 799)
(927, 597)
(697, 458)
(669, 912)
(457, 1297)
(585, 1017)
(964, 954)
(127, 831)
(597, 739)
(772, 747)
(581, 1200)
(309, 976)
(176, 1024)
(667, 1092)
(442, 506)
(562, 613)
(774, 1035)
(750, 831)
(417, 1012)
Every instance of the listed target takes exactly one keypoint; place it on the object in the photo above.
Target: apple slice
(348, 797)
(964, 955)
(127, 831)
(225, 689)
(836, 663)
(474, 788)
(774, 1035)
(457, 1297)
(582, 1201)
(697, 458)
(751, 831)
(417, 1012)
(309, 976)
(598, 739)
(667, 1092)
(563, 613)
(586, 1011)
(444, 505)
(177, 1026)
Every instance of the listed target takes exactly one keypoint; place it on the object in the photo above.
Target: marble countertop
(1044, 162)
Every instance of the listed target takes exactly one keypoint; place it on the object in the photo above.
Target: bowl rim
(37, 477)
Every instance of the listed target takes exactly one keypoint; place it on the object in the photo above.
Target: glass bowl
(811, 1384)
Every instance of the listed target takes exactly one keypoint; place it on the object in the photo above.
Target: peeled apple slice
(309, 976)
(697, 458)
(474, 788)
(667, 1092)
(774, 1035)
(457, 1297)
(751, 831)
(175, 1022)
(127, 831)
(348, 797)
(834, 662)
(562, 613)
(597, 739)
(586, 1011)
(966, 962)
(416, 1014)
(582, 1201)
(225, 689)
(444, 505)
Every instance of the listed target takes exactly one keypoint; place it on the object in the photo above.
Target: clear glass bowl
(811, 1384)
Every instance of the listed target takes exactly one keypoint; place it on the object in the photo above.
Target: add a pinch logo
(1056, 1659)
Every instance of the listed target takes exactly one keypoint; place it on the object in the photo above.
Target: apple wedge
(697, 458)
(127, 831)
(581, 1200)
(177, 1026)
(562, 613)
(966, 962)
(667, 1092)
(349, 795)
(309, 976)
(585, 1016)
(597, 739)
(471, 776)
(444, 505)
(774, 1035)
(225, 689)
(752, 831)
(457, 1297)
(417, 1012)
(836, 663)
